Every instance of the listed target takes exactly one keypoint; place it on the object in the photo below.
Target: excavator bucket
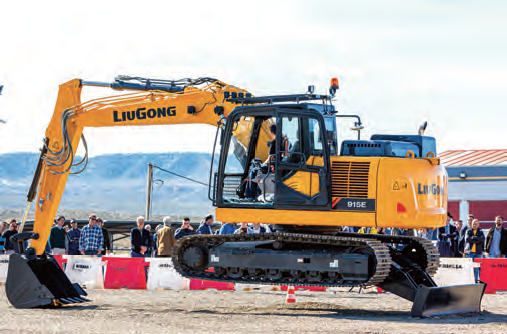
(446, 300)
(39, 282)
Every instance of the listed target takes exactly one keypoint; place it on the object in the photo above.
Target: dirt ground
(130, 311)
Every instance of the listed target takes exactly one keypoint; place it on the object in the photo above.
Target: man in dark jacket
(475, 244)
(205, 227)
(458, 252)
(57, 237)
(9, 246)
(140, 239)
(73, 238)
(463, 234)
(185, 229)
(496, 240)
(106, 246)
(447, 238)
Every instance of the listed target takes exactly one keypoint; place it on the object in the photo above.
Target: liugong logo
(142, 113)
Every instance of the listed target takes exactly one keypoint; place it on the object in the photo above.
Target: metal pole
(149, 188)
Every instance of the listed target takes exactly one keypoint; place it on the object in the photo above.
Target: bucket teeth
(72, 300)
(79, 300)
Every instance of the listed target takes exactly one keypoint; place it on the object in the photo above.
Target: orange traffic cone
(291, 295)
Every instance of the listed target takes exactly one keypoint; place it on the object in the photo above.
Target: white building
(477, 183)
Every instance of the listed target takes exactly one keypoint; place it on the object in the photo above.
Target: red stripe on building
(488, 160)
(473, 157)
(468, 159)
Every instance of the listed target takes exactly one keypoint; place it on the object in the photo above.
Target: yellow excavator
(279, 164)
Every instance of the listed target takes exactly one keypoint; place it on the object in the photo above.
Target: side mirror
(358, 126)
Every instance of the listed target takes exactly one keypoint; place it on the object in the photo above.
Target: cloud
(400, 62)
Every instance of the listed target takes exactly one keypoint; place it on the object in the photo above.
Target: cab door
(302, 161)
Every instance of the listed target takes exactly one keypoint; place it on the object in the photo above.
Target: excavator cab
(293, 170)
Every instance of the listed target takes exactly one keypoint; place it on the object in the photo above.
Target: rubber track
(379, 250)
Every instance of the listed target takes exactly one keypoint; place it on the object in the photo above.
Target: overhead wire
(179, 175)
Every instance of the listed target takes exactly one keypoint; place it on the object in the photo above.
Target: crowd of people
(64, 238)
(456, 239)
(161, 242)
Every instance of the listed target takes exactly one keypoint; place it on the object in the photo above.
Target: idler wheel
(195, 257)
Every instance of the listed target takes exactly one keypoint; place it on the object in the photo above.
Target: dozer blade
(446, 300)
(39, 282)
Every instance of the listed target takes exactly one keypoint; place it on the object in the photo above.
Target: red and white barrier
(125, 272)
(161, 275)
(494, 274)
(4, 265)
(85, 270)
(198, 284)
(454, 271)
(158, 273)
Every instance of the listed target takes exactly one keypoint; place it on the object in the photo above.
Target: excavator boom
(159, 104)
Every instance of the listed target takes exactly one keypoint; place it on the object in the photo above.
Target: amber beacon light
(334, 85)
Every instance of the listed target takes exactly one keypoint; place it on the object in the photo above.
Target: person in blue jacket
(227, 228)
(205, 227)
(3, 227)
(185, 230)
(73, 238)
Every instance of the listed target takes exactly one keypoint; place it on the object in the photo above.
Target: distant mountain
(117, 182)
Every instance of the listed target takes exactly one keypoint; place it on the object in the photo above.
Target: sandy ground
(130, 311)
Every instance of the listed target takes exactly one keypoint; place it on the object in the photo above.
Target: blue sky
(399, 62)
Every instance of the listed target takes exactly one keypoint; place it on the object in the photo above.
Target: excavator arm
(149, 102)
